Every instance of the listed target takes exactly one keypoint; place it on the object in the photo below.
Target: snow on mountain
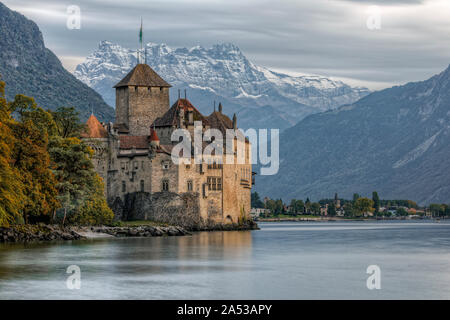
(221, 73)
(395, 141)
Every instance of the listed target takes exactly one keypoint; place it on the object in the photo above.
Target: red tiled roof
(94, 129)
(130, 142)
(171, 117)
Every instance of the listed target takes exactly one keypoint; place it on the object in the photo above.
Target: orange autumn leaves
(34, 177)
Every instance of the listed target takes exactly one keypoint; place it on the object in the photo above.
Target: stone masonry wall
(146, 104)
(168, 207)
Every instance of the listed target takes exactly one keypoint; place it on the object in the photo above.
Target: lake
(292, 260)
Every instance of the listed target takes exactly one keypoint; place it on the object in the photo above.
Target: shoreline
(48, 233)
(334, 219)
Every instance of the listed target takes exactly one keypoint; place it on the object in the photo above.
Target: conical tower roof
(143, 76)
(153, 135)
(94, 129)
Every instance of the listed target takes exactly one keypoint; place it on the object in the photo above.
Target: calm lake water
(324, 260)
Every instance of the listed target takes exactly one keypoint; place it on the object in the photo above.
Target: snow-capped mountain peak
(222, 73)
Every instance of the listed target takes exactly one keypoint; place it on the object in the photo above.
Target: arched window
(165, 185)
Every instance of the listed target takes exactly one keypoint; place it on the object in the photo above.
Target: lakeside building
(133, 157)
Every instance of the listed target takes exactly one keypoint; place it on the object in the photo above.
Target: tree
(293, 207)
(356, 197)
(270, 204)
(348, 208)
(402, 212)
(67, 122)
(315, 208)
(42, 165)
(300, 205)
(363, 205)
(307, 206)
(331, 211)
(77, 183)
(31, 159)
(279, 206)
(437, 209)
(11, 189)
(256, 201)
(376, 202)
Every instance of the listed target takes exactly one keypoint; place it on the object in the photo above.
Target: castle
(133, 157)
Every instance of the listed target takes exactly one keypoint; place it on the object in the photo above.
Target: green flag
(140, 33)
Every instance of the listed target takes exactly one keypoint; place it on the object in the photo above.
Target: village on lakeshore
(359, 207)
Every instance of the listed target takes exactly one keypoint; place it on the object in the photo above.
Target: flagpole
(140, 40)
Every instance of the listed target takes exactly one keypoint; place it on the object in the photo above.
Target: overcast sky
(323, 37)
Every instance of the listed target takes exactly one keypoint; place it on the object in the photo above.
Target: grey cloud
(321, 37)
(385, 2)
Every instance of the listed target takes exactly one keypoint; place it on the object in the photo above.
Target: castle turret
(154, 140)
(141, 97)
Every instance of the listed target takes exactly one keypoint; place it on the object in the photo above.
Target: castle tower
(141, 97)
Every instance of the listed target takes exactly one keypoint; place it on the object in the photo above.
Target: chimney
(234, 121)
(181, 117)
(220, 107)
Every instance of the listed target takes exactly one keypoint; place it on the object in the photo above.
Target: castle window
(190, 185)
(188, 166)
(165, 185)
(204, 190)
(142, 186)
(122, 165)
(209, 180)
(165, 165)
(136, 165)
(142, 165)
(214, 183)
(124, 186)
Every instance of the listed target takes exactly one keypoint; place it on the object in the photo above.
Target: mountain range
(395, 141)
(261, 98)
(29, 68)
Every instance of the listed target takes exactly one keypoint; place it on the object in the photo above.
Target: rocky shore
(248, 225)
(137, 231)
(33, 233)
(43, 232)
(29, 233)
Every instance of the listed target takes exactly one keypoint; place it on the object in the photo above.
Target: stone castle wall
(168, 207)
(145, 105)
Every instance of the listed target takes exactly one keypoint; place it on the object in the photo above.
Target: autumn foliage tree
(80, 188)
(11, 189)
(45, 167)
(31, 158)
